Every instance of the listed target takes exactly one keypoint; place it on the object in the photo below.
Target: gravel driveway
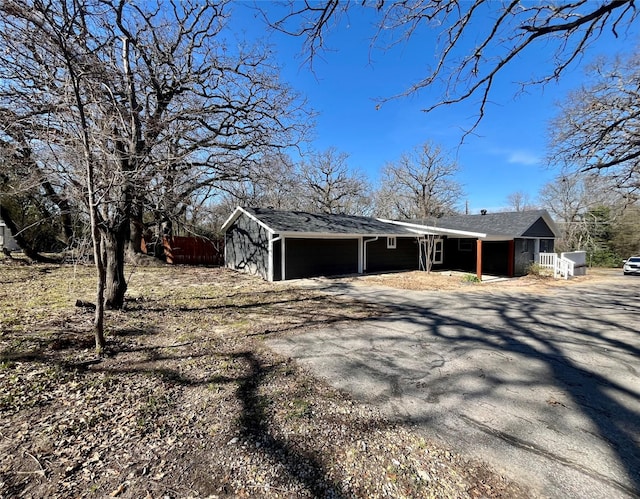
(543, 387)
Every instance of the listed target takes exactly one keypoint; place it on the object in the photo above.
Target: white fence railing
(561, 266)
(548, 260)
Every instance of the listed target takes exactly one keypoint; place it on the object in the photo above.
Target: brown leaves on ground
(466, 282)
(189, 402)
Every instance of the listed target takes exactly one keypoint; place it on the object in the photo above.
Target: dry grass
(462, 282)
(189, 402)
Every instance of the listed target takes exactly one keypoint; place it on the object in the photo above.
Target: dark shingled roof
(506, 225)
(299, 221)
(509, 224)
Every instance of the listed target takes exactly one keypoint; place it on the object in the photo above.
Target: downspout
(271, 241)
(364, 251)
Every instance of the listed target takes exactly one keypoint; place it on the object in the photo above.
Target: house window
(546, 245)
(438, 252)
(525, 246)
(465, 244)
(391, 242)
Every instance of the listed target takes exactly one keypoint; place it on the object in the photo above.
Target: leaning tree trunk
(25, 246)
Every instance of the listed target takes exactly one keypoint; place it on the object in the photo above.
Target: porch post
(479, 259)
(360, 256)
(270, 261)
(283, 245)
(511, 258)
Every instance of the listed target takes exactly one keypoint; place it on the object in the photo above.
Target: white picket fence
(561, 266)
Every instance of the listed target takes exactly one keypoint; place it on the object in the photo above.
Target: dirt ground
(464, 282)
(188, 401)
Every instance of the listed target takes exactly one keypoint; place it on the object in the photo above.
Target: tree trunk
(98, 321)
(114, 245)
(65, 210)
(137, 228)
(98, 256)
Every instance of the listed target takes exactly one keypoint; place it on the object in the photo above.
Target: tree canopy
(129, 107)
(597, 128)
(420, 184)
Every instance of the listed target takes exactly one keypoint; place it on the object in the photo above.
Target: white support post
(283, 245)
(271, 261)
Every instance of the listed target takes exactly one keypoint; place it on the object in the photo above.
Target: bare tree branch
(477, 40)
(420, 185)
(598, 127)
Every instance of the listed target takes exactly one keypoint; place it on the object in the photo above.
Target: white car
(632, 266)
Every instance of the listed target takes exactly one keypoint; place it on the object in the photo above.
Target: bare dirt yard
(463, 282)
(189, 402)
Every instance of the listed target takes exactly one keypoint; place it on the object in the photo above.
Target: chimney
(483, 212)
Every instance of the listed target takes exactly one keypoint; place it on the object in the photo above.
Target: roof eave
(340, 235)
(549, 221)
(241, 211)
(429, 229)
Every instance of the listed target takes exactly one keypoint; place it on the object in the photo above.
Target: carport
(315, 256)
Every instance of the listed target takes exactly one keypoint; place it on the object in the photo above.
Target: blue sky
(507, 151)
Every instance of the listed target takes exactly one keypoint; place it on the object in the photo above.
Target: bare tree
(571, 199)
(329, 186)
(476, 40)
(275, 183)
(421, 184)
(598, 127)
(125, 101)
(519, 201)
(626, 233)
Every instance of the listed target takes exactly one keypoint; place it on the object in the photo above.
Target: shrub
(536, 270)
(470, 278)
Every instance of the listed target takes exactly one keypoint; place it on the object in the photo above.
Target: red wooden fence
(193, 250)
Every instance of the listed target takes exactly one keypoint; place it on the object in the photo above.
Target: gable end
(539, 229)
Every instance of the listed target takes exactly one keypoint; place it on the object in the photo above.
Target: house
(280, 245)
(507, 242)
(6, 238)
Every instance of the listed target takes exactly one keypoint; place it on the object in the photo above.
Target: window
(465, 244)
(438, 252)
(391, 242)
(525, 246)
(546, 245)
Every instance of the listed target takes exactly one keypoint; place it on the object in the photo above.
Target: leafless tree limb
(476, 40)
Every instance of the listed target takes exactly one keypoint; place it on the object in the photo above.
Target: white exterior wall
(579, 259)
(6, 239)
